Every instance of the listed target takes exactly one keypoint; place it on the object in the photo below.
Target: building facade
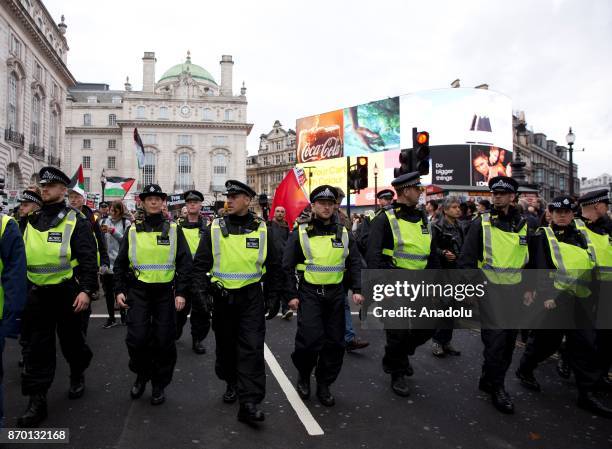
(34, 81)
(194, 130)
(547, 165)
(603, 181)
(274, 158)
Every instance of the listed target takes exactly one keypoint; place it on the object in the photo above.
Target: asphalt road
(445, 410)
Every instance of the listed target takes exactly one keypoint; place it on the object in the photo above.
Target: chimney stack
(456, 83)
(482, 86)
(148, 71)
(127, 84)
(227, 67)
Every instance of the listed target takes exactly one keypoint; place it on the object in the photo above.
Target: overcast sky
(552, 57)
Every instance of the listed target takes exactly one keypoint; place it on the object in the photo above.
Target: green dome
(196, 71)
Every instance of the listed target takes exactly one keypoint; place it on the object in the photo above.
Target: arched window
(229, 115)
(35, 128)
(208, 114)
(219, 175)
(140, 112)
(112, 119)
(13, 83)
(53, 123)
(148, 171)
(183, 175)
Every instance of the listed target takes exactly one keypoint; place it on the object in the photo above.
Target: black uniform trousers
(400, 344)
(151, 329)
(319, 341)
(49, 310)
(200, 319)
(238, 321)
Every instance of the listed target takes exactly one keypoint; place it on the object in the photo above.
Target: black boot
(231, 394)
(198, 346)
(157, 396)
(303, 386)
(587, 401)
(527, 379)
(502, 400)
(249, 413)
(35, 413)
(324, 395)
(399, 385)
(139, 387)
(77, 386)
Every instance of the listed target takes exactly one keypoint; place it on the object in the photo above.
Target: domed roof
(196, 71)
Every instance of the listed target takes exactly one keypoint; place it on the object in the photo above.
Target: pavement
(446, 410)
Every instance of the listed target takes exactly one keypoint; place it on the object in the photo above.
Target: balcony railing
(14, 137)
(55, 161)
(37, 152)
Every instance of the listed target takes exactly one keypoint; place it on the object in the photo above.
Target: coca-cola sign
(320, 137)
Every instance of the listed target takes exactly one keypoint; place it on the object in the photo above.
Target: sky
(552, 57)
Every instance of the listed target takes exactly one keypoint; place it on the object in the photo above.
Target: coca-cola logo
(329, 149)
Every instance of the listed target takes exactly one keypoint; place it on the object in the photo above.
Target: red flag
(290, 195)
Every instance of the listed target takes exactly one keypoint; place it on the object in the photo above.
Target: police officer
(60, 250)
(565, 248)
(12, 287)
(193, 226)
(29, 202)
(400, 239)
(385, 197)
(321, 250)
(501, 258)
(151, 281)
(233, 256)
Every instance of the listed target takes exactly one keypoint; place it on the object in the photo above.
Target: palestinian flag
(140, 156)
(117, 187)
(77, 183)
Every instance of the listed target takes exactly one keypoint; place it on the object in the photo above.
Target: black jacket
(448, 237)
(294, 255)
(82, 242)
(381, 237)
(101, 241)
(203, 260)
(123, 275)
(279, 235)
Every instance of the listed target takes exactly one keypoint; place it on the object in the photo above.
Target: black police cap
(324, 192)
(594, 197)
(387, 194)
(561, 202)
(407, 180)
(30, 196)
(52, 175)
(193, 195)
(152, 190)
(503, 184)
(234, 187)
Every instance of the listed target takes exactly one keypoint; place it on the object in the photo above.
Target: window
(140, 112)
(562, 185)
(112, 144)
(13, 82)
(163, 112)
(111, 162)
(15, 48)
(116, 100)
(277, 159)
(291, 157)
(266, 161)
(220, 141)
(148, 170)
(38, 72)
(87, 119)
(279, 145)
(86, 161)
(86, 183)
(229, 115)
(183, 176)
(184, 139)
(35, 128)
(112, 119)
(219, 171)
(92, 99)
(53, 133)
(54, 90)
(207, 114)
(149, 139)
(86, 144)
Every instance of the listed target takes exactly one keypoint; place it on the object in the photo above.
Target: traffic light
(362, 170)
(420, 142)
(405, 159)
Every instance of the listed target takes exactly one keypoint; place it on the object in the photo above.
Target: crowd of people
(233, 270)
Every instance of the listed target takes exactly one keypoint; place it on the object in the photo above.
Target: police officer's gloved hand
(11, 325)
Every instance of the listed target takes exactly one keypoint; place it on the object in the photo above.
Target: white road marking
(311, 425)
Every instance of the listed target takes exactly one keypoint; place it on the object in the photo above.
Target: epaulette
(139, 225)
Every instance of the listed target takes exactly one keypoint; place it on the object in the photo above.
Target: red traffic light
(422, 138)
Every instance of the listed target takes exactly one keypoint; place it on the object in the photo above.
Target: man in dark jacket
(279, 233)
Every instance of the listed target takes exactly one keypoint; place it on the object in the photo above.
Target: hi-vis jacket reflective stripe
(324, 257)
(238, 259)
(504, 253)
(4, 219)
(49, 254)
(152, 255)
(192, 235)
(601, 248)
(411, 243)
(574, 266)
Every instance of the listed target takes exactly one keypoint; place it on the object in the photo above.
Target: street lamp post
(570, 139)
(103, 182)
(375, 187)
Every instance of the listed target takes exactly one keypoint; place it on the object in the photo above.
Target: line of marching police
(233, 272)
